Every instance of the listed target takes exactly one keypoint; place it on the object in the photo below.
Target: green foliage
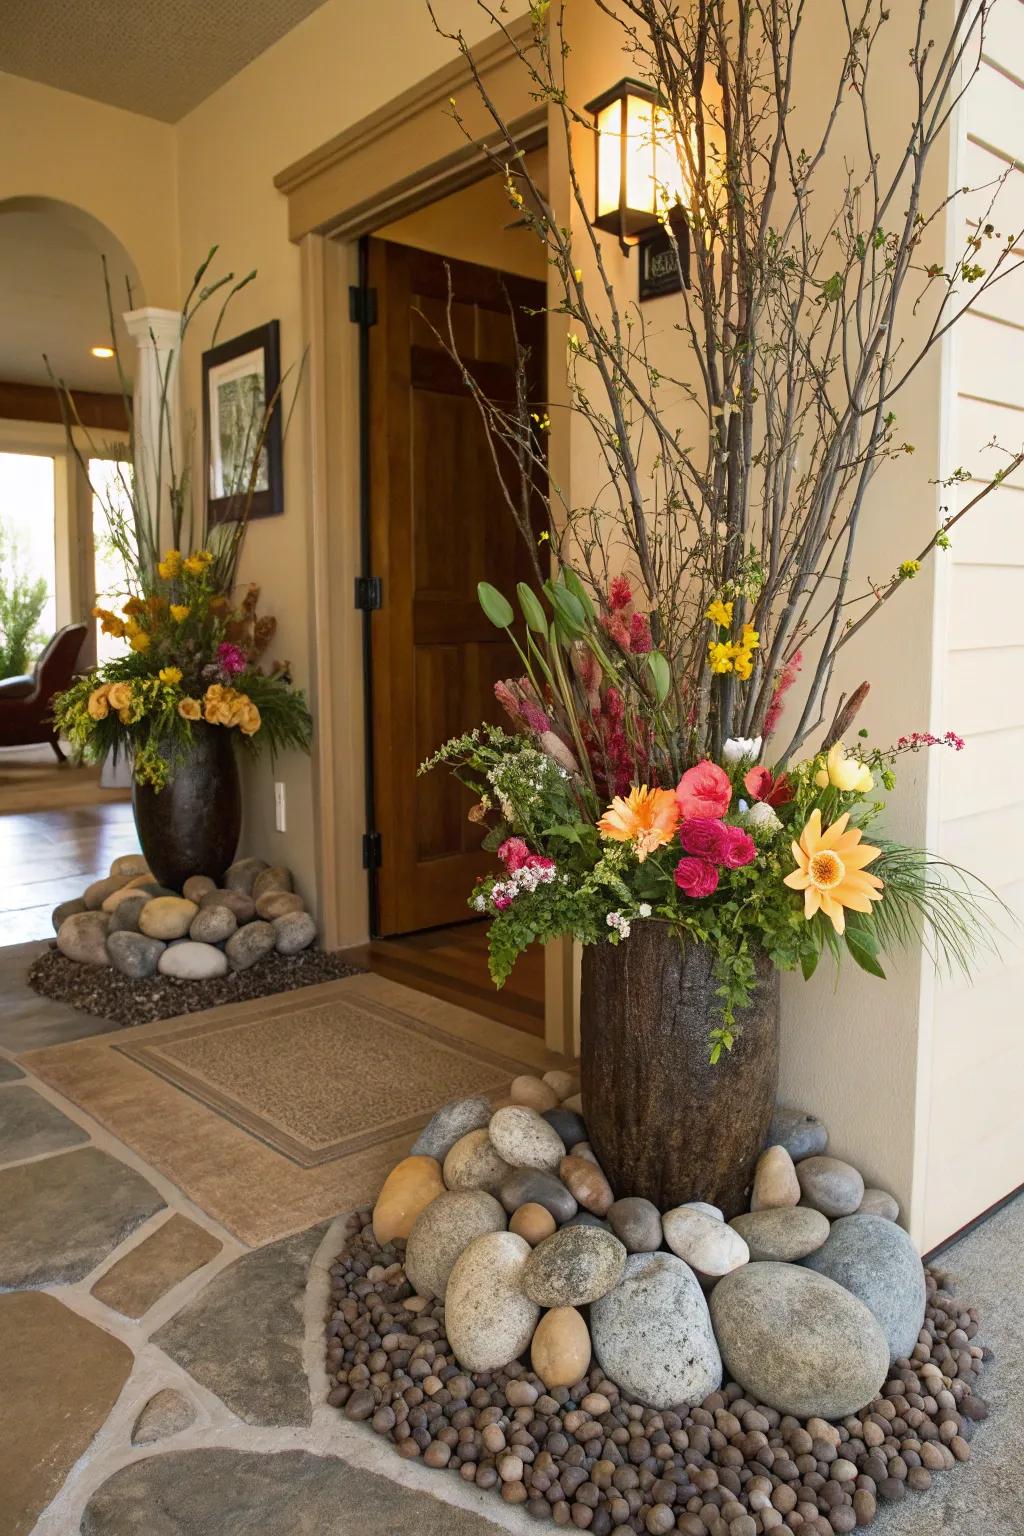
(21, 602)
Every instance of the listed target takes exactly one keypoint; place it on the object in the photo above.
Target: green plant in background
(21, 603)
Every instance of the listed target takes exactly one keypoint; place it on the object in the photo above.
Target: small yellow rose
(119, 695)
(141, 641)
(97, 704)
(180, 612)
(194, 566)
(250, 722)
(170, 675)
(190, 709)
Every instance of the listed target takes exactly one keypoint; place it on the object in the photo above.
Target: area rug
(275, 1114)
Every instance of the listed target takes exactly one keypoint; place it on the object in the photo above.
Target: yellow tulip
(844, 773)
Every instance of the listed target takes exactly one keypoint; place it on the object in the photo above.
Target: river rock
(237, 902)
(879, 1202)
(191, 961)
(783, 1233)
(167, 917)
(250, 944)
(586, 1183)
(129, 865)
(96, 894)
(575, 1101)
(775, 1180)
(66, 909)
(708, 1246)
(588, 1219)
(275, 878)
(567, 1124)
(123, 893)
(408, 1189)
(442, 1231)
(241, 875)
(278, 903)
(520, 1186)
(213, 925)
(575, 1266)
(488, 1317)
(798, 1341)
(652, 1334)
(876, 1260)
(532, 1221)
(560, 1351)
(584, 1149)
(449, 1124)
(83, 937)
(564, 1083)
(133, 954)
(705, 1208)
(197, 886)
(524, 1139)
(636, 1222)
(533, 1092)
(830, 1185)
(801, 1134)
(125, 916)
(294, 932)
(473, 1163)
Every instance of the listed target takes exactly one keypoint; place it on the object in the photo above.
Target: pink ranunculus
(696, 877)
(704, 790)
(740, 848)
(513, 853)
(706, 837)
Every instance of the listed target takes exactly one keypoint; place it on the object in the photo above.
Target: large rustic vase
(191, 826)
(663, 1122)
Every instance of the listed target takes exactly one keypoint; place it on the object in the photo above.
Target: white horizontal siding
(988, 843)
(1004, 35)
(981, 691)
(992, 533)
(986, 608)
(992, 111)
(977, 423)
(985, 175)
(989, 364)
(985, 776)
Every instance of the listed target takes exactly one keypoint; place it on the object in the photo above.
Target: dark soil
(104, 992)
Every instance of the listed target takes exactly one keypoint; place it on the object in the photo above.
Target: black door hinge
(371, 850)
(369, 593)
(362, 305)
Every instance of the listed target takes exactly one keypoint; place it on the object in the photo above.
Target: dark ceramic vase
(191, 826)
(663, 1122)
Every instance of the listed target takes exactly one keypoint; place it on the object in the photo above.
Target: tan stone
(278, 903)
(123, 893)
(96, 894)
(584, 1149)
(565, 1084)
(408, 1189)
(131, 864)
(775, 1181)
(587, 1183)
(575, 1101)
(147, 1272)
(167, 917)
(560, 1352)
(61, 1378)
(533, 1092)
(532, 1221)
(473, 1163)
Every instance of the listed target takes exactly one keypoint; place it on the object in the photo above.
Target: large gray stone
(879, 1202)
(125, 917)
(702, 1241)
(65, 909)
(133, 954)
(237, 902)
(801, 1134)
(294, 932)
(213, 925)
(570, 1126)
(782, 1234)
(63, 1215)
(83, 937)
(524, 1139)
(652, 1334)
(191, 961)
(282, 1493)
(443, 1230)
(636, 1222)
(798, 1341)
(276, 878)
(31, 1126)
(488, 1317)
(831, 1186)
(250, 944)
(242, 874)
(242, 1337)
(96, 894)
(449, 1124)
(573, 1267)
(876, 1260)
(525, 1186)
(473, 1164)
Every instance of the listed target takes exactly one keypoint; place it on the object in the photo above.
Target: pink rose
(705, 836)
(696, 877)
(513, 853)
(740, 848)
(704, 790)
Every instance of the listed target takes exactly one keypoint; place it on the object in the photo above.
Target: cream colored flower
(98, 704)
(844, 773)
(190, 709)
(250, 721)
(119, 695)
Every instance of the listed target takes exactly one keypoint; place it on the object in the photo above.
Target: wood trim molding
(347, 187)
(38, 402)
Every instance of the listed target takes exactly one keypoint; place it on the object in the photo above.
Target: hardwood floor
(451, 963)
(51, 856)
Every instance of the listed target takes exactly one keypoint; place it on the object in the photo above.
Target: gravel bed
(591, 1458)
(106, 993)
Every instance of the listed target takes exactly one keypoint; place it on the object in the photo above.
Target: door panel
(439, 524)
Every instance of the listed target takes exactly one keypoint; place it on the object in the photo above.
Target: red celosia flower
(616, 628)
(696, 877)
(706, 837)
(740, 848)
(760, 785)
(620, 594)
(704, 790)
(784, 680)
(640, 634)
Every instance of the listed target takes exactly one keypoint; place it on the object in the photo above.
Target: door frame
(335, 195)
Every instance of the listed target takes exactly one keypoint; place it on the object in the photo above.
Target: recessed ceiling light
(102, 351)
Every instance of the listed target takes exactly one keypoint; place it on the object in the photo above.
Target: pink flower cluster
(526, 871)
(631, 631)
(231, 658)
(783, 682)
(918, 739)
(709, 844)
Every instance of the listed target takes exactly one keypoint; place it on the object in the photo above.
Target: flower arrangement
(605, 809)
(184, 666)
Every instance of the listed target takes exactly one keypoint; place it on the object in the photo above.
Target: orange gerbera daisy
(648, 818)
(830, 870)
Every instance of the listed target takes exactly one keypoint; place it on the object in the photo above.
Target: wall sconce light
(639, 177)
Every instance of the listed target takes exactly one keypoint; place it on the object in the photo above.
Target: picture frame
(239, 376)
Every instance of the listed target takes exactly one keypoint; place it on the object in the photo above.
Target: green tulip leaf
(497, 608)
(533, 609)
(661, 675)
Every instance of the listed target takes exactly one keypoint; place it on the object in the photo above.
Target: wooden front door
(439, 524)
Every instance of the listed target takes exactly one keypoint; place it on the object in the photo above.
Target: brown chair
(25, 702)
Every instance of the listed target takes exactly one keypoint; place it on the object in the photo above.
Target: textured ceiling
(158, 57)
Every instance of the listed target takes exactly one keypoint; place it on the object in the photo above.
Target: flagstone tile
(31, 1126)
(9, 1071)
(147, 1272)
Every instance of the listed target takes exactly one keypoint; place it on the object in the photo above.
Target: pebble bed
(592, 1458)
(106, 993)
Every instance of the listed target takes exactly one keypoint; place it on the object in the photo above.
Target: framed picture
(240, 377)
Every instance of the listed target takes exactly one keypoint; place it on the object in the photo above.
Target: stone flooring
(158, 1378)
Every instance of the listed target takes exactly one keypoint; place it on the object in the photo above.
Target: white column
(158, 434)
